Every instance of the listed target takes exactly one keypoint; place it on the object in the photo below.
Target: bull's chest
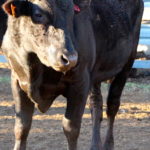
(40, 91)
(45, 89)
(42, 84)
(45, 83)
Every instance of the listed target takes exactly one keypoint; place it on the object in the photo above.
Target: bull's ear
(16, 8)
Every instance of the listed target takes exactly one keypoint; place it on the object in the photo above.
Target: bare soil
(132, 126)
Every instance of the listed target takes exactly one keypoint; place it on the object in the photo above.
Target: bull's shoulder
(116, 18)
(132, 8)
(111, 19)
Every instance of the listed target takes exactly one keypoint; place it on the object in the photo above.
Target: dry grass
(127, 111)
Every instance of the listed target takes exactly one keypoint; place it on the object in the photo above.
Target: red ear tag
(13, 10)
(76, 8)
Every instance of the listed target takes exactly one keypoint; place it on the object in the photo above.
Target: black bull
(55, 50)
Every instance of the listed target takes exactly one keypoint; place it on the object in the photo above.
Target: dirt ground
(132, 126)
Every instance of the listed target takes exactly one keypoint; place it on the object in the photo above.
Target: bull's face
(45, 27)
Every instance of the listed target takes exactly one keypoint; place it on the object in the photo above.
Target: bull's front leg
(76, 100)
(24, 110)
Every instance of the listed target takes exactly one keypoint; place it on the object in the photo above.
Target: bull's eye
(38, 15)
(41, 16)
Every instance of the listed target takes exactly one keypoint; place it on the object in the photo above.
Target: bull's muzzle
(64, 61)
(68, 61)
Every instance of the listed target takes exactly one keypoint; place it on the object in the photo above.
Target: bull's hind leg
(96, 106)
(113, 103)
(24, 111)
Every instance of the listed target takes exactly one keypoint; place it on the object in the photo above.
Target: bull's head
(43, 27)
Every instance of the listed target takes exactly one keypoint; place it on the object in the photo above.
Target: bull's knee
(21, 132)
(112, 107)
(21, 129)
(71, 131)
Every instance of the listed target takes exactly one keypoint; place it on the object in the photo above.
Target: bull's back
(3, 22)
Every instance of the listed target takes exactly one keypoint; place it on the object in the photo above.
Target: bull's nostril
(64, 60)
